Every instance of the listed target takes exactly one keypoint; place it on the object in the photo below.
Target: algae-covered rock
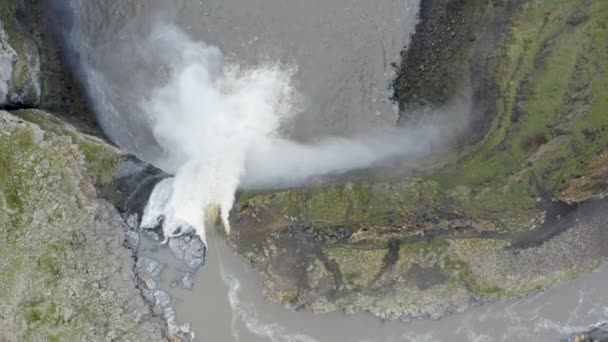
(64, 273)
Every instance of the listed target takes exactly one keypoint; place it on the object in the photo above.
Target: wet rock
(189, 249)
(19, 69)
(132, 221)
(150, 266)
(131, 239)
(153, 235)
(184, 280)
(183, 331)
(598, 333)
(131, 187)
(161, 299)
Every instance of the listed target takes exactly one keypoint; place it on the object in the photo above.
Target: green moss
(11, 175)
(290, 296)
(347, 203)
(47, 122)
(358, 266)
(52, 256)
(33, 317)
(246, 196)
(103, 161)
(461, 273)
(552, 79)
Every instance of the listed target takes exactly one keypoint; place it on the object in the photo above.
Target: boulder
(190, 249)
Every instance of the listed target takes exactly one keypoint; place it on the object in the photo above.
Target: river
(341, 53)
(226, 304)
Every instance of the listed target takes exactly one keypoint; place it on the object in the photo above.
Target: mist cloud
(217, 127)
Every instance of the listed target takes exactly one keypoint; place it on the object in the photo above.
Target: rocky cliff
(518, 208)
(65, 274)
(67, 269)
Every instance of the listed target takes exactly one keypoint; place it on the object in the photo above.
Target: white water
(220, 127)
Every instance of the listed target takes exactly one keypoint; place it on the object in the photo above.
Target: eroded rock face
(20, 84)
(7, 58)
(65, 274)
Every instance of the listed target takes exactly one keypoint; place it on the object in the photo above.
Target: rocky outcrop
(453, 49)
(73, 182)
(65, 274)
(34, 70)
(20, 81)
(521, 208)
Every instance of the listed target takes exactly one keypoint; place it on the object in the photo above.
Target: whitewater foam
(220, 127)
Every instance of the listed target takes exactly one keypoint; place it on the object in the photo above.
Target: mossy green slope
(547, 141)
(551, 117)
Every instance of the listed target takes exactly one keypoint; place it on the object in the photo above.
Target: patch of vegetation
(553, 81)
(11, 177)
(358, 267)
(103, 161)
(290, 296)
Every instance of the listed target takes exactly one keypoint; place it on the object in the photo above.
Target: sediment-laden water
(226, 304)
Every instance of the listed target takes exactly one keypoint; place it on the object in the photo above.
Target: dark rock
(153, 235)
(577, 18)
(190, 249)
(598, 333)
(131, 187)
